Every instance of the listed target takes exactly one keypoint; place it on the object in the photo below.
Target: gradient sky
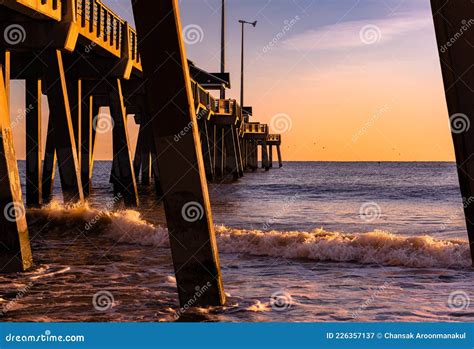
(345, 96)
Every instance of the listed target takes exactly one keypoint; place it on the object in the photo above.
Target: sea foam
(376, 247)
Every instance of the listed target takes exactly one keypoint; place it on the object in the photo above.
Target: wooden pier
(83, 57)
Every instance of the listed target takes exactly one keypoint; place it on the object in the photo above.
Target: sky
(346, 80)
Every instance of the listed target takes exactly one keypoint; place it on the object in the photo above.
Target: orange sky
(338, 98)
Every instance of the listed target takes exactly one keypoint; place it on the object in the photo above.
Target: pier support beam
(280, 162)
(181, 167)
(270, 156)
(219, 150)
(238, 148)
(15, 250)
(86, 142)
(49, 164)
(265, 156)
(62, 128)
(34, 159)
(123, 175)
(232, 165)
(456, 64)
(204, 126)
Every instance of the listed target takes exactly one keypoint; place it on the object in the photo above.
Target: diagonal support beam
(180, 164)
(451, 17)
(15, 249)
(62, 127)
(123, 175)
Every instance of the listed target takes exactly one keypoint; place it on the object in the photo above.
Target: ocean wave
(376, 247)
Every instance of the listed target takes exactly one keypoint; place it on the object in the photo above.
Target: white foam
(376, 247)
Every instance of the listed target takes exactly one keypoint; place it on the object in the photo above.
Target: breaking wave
(376, 247)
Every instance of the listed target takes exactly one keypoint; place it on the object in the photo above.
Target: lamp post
(223, 46)
(242, 62)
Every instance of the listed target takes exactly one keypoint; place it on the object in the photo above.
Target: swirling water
(308, 242)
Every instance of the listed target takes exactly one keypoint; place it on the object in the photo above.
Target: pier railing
(48, 8)
(255, 127)
(276, 138)
(105, 28)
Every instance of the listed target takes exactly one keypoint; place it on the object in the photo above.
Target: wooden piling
(456, 65)
(270, 156)
(60, 116)
(238, 148)
(86, 142)
(203, 125)
(15, 250)
(232, 165)
(49, 164)
(280, 162)
(34, 159)
(181, 167)
(265, 156)
(123, 175)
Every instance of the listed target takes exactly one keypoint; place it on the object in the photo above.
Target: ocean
(312, 241)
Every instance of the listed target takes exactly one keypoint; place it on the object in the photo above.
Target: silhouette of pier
(82, 56)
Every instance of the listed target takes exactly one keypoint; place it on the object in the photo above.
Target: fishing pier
(83, 57)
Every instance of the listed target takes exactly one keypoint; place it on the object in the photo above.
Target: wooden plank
(181, 167)
(457, 57)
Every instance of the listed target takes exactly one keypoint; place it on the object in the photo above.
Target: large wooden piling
(181, 167)
(456, 64)
(34, 159)
(15, 250)
(62, 130)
